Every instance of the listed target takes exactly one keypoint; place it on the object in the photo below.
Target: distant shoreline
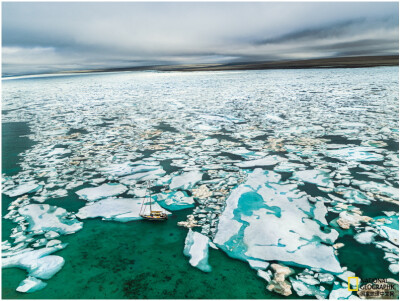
(341, 62)
(325, 63)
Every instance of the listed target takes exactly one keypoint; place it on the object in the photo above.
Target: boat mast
(148, 189)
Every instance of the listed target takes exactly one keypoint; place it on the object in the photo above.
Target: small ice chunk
(365, 237)
(25, 188)
(267, 161)
(186, 180)
(317, 177)
(209, 142)
(340, 293)
(394, 268)
(303, 289)
(196, 247)
(176, 200)
(258, 264)
(267, 276)
(101, 192)
(30, 285)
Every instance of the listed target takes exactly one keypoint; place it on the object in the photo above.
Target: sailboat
(154, 215)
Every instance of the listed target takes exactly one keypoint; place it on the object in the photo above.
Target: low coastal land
(336, 62)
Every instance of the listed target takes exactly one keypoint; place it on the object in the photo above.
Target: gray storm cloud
(43, 37)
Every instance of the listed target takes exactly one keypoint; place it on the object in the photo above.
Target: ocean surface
(330, 135)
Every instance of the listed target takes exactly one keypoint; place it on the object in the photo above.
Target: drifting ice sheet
(265, 220)
(49, 218)
(101, 192)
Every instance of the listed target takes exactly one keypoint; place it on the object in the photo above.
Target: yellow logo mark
(351, 284)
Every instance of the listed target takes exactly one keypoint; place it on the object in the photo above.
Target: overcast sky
(43, 37)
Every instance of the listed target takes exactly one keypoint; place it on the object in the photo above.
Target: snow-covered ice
(102, 191)
(43, 217)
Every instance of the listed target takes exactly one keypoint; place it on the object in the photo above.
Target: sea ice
(128, 168)
(378, 188)
(267, 161)
(149, 175)
(340, 293)
(25, 188)
(39, 263)
(43, 217)
(196, 247)
(356, 154)
(175, 200)
(365, 237)
(121, 210)
(317, 177)
(101, 192)
(186, 180)
(259, 205)
(303, 289)
(30, 285)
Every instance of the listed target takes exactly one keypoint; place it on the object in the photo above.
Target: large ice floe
(196, 247)
(268, 220)
(117, 209)
(101, 192)
(43, 217)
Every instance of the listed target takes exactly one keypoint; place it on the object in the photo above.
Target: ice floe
(262, 204)
(356, 154)
(43, 217)
(186, 180)
(175, 200)
(38, 263)
(30, 285)
(117, 209)
(317, 177)
(102, 191)
(23, 189)
(196, 247)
